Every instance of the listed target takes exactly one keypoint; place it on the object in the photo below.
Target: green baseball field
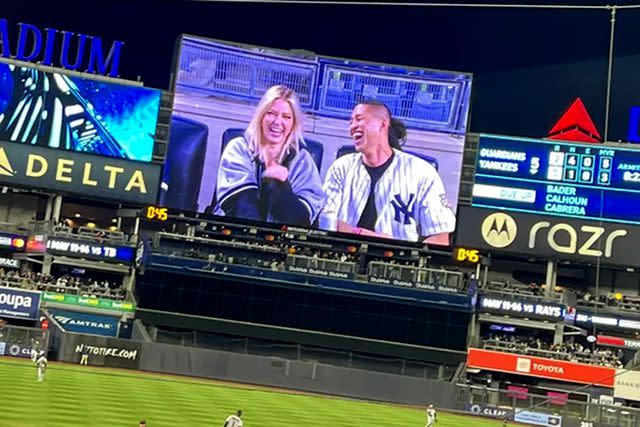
(84, 396)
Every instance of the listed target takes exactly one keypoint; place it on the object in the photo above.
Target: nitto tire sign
(103, 351)
(107, 352)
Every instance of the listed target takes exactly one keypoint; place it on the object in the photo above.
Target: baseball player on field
(382, 191)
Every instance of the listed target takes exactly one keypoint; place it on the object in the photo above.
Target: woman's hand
(273, 169)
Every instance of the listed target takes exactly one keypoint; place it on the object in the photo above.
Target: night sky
(529, 64)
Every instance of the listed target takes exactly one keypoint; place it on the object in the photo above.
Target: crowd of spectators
(616, 301)
(65, 284)
(570, 351)
(531, 290)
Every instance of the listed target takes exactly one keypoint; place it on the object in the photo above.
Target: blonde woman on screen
(265, 175)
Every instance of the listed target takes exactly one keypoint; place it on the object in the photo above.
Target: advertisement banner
(520, 307)
(26, 165)
(3, 347)
(103, 351)
(538, 419)
(319, 272)
(10, 241)
(17, 350)
(379, 280)
(91, 250)
(546, 236)
(541, 367)
(617, 342)
(9, 263)
(86, 323)
(19, 304)
(490, 411)
(90, 122)
(627, 385)
(78, 301)
(584, 318)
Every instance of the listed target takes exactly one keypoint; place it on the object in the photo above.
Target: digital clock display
(156, 213)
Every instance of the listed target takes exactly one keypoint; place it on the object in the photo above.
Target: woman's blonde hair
(253, 134)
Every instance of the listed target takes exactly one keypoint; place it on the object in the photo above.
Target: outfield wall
(295, 375)
(252, 369)
(263, 371)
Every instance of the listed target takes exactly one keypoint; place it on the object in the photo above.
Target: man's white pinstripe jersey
(410, 198)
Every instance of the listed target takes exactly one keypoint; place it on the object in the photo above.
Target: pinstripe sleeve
(436, 215)
(334, 186)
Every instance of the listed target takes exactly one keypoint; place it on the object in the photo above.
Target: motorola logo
(499, 230)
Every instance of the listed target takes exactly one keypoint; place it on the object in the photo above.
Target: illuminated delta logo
(5, 166)
(499, 230)
(61, 169)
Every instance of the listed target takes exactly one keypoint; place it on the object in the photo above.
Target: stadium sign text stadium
(524, 308)
(78, 173)
(35, 45)
(540, 367)
(107, 351)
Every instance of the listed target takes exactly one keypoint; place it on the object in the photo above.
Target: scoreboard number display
(585, 181)
(156, 213)
(465, 255)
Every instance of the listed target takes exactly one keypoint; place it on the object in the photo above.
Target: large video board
(217, 156)
(73, 113)
(582, 181)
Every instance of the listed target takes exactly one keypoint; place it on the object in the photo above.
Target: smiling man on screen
(383, 191)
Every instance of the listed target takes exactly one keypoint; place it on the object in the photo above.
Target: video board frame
(312, 127)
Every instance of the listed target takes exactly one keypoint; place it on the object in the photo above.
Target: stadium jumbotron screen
(72, 113)
(293, 138)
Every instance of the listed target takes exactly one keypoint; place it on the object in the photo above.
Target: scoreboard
(585, 181)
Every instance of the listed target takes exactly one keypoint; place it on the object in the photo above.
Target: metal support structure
(607, 107)
(136, 226)
(552, 275)
(418, 4)
(46, 264)
(558, 335)
(473, 330)
(485, 276)
(49, 209)
(57, 208)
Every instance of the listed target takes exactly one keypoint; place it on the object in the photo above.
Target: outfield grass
(84, 396)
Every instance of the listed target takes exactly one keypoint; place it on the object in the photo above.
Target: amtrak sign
(51, 47)
(86, 323)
